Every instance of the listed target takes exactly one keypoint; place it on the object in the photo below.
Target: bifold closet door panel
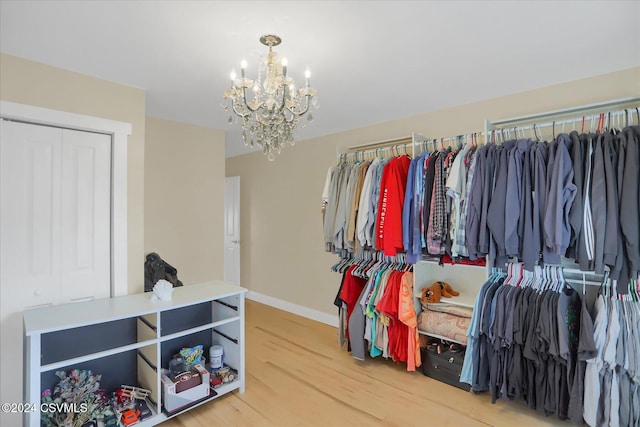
(30, 209)
(86, 216)
(29, 230)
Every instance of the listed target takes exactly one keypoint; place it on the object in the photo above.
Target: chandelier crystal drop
(270, 115)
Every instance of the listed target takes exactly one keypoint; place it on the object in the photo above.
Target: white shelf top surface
(463, 300)
(72, 315)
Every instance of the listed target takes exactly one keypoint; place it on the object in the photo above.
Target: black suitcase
(445, 367)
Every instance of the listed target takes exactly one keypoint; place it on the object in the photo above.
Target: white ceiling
(371, 61)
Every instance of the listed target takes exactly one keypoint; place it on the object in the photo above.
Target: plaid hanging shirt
(460, 243)
(437, 217)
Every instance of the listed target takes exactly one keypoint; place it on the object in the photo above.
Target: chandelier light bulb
(285, 62)
(307, 73)
(243, 64)
(233, 76)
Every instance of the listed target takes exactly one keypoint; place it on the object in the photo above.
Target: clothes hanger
(562, 285)
(535, 131)
(527, 279)
(626, 117)
(507, 279)
(548, 278)
(521, 274)
(601, 122)
(537, 277)
(620, 121)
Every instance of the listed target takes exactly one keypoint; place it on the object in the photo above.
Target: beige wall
(184, 198)
(41, 85)
(283, 253)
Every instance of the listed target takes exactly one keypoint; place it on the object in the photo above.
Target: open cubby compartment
(115, 370)
(129, 368)
(183, 319)
(466, 279)
(199, 316)
(85, 341)
(228, 336)
(147, 327)
(172, 346)
(147, 362)
(225, 308)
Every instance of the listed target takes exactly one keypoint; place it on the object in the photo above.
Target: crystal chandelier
(270, 116)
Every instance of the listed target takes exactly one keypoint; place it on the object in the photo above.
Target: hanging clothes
(415, 207)
(612, 389)
(576, 197)
(377, 313)
(529, 338)
(389, 219)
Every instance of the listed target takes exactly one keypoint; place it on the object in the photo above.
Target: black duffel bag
(155, 268)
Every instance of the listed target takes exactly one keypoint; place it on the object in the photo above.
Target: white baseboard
(300, 310)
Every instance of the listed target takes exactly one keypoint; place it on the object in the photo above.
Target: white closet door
(86, 216)
(55, 230)
(30, 186)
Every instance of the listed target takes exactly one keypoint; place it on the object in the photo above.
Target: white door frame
(119, 132)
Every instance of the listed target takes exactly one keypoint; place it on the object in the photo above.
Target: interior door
(232, 229)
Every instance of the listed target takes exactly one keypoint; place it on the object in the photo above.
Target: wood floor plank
(298, 376)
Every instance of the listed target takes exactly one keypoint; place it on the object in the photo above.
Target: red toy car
(130, 416)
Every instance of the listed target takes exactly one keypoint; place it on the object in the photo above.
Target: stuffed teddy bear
(433, 293)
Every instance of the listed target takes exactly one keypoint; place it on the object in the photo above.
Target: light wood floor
(297, 376)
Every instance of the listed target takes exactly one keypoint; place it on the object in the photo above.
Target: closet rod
(406, 148)
(464, 138)
(382, 144)
(566, 111)
(372, 148)
(577, 121)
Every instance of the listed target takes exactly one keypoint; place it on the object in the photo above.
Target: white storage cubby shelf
(129, 339)
(466, 279)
